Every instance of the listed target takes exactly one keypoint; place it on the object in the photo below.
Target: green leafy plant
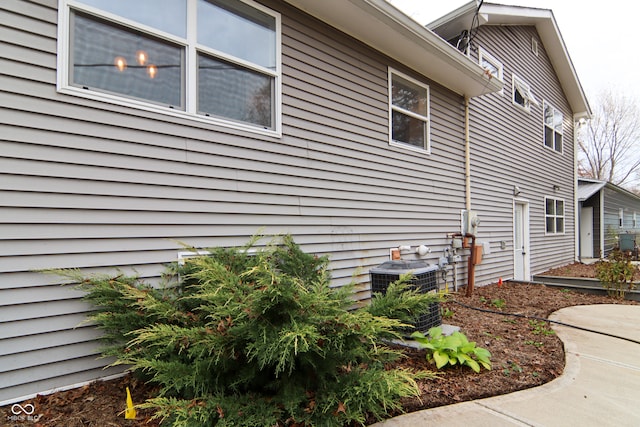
(446, 312)
(539, 327)
(498, 303)
(616, 274)
(454, 349)
(253, 337)
(511, 368)
(536, 344)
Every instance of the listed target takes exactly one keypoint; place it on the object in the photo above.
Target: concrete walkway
(600, 385)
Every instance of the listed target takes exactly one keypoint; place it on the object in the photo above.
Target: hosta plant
(454, 349)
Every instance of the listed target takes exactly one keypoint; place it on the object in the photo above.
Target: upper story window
(408, 112)
(490, 64)
(620, 217)
(553, 120)
(214, 60)
(522, 94)
(554, 215)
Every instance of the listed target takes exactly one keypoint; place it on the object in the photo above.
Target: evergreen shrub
(256, 337)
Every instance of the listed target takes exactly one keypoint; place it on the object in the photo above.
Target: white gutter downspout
(467, 155)
(577, 213)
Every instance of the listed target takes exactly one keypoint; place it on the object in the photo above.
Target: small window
(213, 60)
(490, 64)
(553, 120)
(621, 218)
(554, 215)
(408, 112)
(534, 46)
(522, 94)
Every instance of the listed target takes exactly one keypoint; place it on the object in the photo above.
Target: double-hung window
(552, 127)
(213, 60)
(554, 215)
(522, 94)
(408, 112)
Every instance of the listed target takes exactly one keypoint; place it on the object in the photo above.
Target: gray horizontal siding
(507, 150)
(91, 185)
(613, 202)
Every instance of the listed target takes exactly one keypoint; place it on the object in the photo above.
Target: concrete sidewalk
(600, 385)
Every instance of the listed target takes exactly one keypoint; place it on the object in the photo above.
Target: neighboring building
(523, 153)
(125, 131)
(609, 218)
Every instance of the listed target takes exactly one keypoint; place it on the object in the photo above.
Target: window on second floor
(553, 120)
(408, 112)
(522, 94)
(554, 215)
(215, 60)
(490, 64)
(621, 218)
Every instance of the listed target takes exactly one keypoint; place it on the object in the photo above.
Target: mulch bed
(524, 355)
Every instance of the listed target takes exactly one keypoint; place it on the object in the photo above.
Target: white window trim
(483, 55)
(427, 150)
(190, 113)
(555, 215)
(525, 90)
(544, 126)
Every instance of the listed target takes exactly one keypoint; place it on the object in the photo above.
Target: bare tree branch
(609, 146)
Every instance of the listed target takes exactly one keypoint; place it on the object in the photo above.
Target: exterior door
(521, 241)
(586, 232)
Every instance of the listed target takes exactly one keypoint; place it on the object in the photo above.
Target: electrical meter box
(469, 222)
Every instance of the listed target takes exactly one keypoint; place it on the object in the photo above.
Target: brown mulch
(583, 270)
(524, 355)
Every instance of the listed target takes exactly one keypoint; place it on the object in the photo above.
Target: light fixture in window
(142, 57)
(152, 71)
(120, 63)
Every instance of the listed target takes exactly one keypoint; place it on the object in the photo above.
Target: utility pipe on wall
(467, 155)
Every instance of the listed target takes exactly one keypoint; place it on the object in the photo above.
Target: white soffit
(388, 30)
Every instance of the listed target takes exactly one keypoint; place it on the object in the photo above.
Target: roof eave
(388, 30)
(545, 23)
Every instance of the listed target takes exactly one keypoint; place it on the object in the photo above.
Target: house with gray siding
(125, 132)
(609, 218)
(523, 151)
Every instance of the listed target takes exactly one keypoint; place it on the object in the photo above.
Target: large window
(209, 59)
(552, 127)
(408, 112)
(554, 215)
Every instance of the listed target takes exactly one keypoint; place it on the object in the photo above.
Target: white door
(586, 232)
(521, 241)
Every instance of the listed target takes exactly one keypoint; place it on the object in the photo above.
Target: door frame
(525, 274)
(586, 241)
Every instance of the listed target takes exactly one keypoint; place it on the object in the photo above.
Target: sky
(600, 37)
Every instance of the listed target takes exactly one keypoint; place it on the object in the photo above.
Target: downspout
(467, 155)
(577, 208)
